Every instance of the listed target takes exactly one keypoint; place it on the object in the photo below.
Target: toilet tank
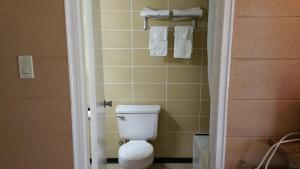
(137, 122)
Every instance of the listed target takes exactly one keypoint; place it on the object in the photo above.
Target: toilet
(137, 124)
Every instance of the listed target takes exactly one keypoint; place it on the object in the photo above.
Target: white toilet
(137, 123)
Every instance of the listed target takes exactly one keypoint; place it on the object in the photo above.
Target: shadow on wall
(261, 110)
(255, 151)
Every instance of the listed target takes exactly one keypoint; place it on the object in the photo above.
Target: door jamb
(74, 32)
(221, 73)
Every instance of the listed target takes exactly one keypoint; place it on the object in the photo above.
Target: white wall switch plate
(25, 67)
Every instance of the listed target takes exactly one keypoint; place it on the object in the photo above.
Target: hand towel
(154, 12)
(158, 41)
(183, 46)
(188, 12)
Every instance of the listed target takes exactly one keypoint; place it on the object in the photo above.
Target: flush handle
(121, 117)
(107, 103)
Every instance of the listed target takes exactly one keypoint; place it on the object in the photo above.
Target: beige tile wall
(131, 76)
(265, 70)
(35, 115)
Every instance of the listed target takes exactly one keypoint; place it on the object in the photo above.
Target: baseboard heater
(200, 151)
(159, 160)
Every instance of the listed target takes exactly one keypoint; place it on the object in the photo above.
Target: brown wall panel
(264, 76)
(35, 115)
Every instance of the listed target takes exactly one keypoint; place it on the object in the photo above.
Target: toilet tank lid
(136, 109)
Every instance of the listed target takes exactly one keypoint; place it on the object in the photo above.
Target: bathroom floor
(159, 166)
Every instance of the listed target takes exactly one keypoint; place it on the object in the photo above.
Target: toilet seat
(135, 150)
(136, 154)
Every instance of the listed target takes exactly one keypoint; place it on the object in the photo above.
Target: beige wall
(35, 118)
(131, 76)
(265, 70)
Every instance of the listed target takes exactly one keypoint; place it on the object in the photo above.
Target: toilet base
(141, 164)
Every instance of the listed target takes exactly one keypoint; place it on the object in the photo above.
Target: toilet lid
(135, 150)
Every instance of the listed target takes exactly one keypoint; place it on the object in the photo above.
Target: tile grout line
(153, 83)
(162, 99)
(200, 88)
(202, 67)
(132, 48)
(149, 66)
(167, 71)
(170, 131)
(188, 116)
(136, 30)
(178, 116)
(112, 48)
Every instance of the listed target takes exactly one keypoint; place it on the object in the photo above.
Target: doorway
(100, 134)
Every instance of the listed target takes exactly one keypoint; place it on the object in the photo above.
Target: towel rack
(194, 19)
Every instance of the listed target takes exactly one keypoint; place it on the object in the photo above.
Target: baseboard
(173, 160)
(112, 160)
(159, 160)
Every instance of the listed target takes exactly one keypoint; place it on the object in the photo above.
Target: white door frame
(222, 48)
(222, 40)
(74, 31)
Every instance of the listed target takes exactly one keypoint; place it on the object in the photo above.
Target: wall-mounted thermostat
(25, 67)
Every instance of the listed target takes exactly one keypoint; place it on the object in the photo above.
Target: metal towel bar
(169, 17)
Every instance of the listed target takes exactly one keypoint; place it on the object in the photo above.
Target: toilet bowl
(137, 123)
(136, 155)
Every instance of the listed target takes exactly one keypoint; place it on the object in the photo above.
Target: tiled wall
(35, 115)
(131, 76)
(265, 70)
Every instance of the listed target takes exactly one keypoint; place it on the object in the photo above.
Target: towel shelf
(171, 17)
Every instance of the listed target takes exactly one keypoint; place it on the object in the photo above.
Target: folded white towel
(188, 12)
(158, 41)
(183, 46)
(154, 12)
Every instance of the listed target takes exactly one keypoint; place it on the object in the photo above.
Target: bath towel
(158, 41)
(183, 46)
